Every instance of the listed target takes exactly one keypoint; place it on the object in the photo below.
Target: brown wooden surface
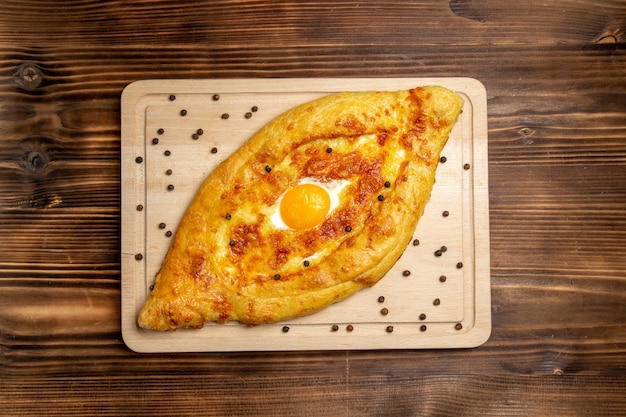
(555, 74)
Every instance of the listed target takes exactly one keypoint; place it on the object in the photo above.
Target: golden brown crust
(227, 262)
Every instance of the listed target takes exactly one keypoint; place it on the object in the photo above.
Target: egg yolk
(304, 206)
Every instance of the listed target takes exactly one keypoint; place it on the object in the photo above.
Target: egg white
(333, 188)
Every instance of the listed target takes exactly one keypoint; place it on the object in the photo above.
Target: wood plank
(329, 394)
(60, 242)
(485, 22)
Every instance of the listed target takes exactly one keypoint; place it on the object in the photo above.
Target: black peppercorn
(232, 243)
(162, 225)
(254, 109)
(138, 257)
(335, 328)
(466, 167)
(348, 229)
(406, 273)
(172, 97)
(459, 265)
(307, 263)
(423, 328)
(285, 329)
(225, 116)
(170, 187)
(213, 150)
(168, 172)
(161, 131)
(168, 234)
(442, 278)
(268, 168)
(387, 184)
(200, 132)
(416, 242)
(276, 277)
(183, 112)
(422, 316)
(384, 311)
(195, 136)
(248, 115)
(381, 299)
(436, 301)
(443, 159)
(438, 252)
(381, 197)
(389, 329)
(167, 153)
(216, 97)
(139, 207)
(445, 213)
(228, 216)
(458, 326)
(155, 141)
(329, 150)
(139, 159)
(349, 327)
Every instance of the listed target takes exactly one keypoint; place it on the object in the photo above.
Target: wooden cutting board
(175, 132)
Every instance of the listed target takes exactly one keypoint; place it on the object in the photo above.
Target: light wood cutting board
(175, 132)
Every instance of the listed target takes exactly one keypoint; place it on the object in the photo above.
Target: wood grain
(335, 395)
(555, 76)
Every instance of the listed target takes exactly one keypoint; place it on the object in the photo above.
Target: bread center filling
(304, 206)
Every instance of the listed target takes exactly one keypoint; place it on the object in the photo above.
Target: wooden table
(555, 74)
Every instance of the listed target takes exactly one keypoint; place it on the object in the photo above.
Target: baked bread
(317, 205)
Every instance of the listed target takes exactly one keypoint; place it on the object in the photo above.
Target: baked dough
(234, 259)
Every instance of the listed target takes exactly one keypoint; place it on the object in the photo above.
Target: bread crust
(227, 263)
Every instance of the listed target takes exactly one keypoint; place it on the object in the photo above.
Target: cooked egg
(307, 204)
